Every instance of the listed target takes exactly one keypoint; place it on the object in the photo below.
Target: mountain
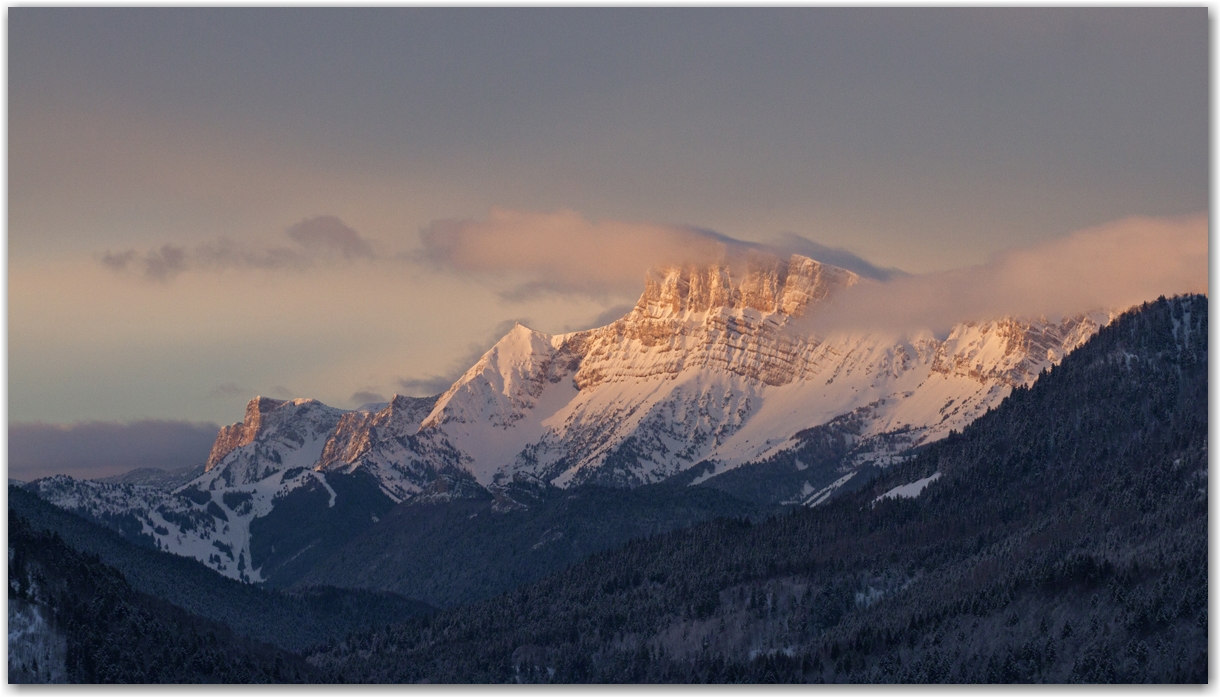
(155, 477)
(708, 369)
(710, 380)
(289, 620)
(1061, 537)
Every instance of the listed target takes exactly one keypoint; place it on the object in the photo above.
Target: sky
(209, 204)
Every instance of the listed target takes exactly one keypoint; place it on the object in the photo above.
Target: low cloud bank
(318, 239)
(93, 449)
(1112, 266)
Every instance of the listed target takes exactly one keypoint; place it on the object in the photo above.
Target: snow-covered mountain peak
(507, 379)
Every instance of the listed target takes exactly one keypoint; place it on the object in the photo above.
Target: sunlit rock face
(274, 436)
(711, 318)
(1011, 351)
(236, 435)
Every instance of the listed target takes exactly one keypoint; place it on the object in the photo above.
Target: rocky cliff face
(1011, 351)
(235, 436)
(275, 435)
(693, 318)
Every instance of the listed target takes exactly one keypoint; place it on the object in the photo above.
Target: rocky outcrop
(235, 436)
(275, 435)
(711, 317)
(762, 283)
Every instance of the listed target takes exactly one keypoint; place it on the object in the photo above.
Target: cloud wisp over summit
(563, 252)
(319, 239)
(1110, 267)
(533, 253)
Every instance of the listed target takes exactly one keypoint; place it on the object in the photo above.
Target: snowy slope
(211, 526)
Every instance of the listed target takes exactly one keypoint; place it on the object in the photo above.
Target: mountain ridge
(710, 371)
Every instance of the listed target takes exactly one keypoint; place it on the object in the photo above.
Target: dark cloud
(160, 264)
(118, 261)
(362, 398)
(326, 232)
(426, 387)
(436, 384)
(791, 243)
(229, 389)
(93, 449)
(315, 240)
(165, 263)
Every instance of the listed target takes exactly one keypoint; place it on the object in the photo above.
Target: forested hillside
(1065, 539)
(290, 620)
(464, 550)
(74, 619)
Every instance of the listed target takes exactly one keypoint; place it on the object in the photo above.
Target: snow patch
(908, 491)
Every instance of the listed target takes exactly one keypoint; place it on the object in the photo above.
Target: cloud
(229, 389)
(426, 387)
(165, 263)
(159, 264)
(362, 398)
(563, 252)
(91, 449)
(118, 261)
(315, 240)
(1112, 266)
(328, 233)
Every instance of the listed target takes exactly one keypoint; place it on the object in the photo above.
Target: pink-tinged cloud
(1112, 266)
(564, 252)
